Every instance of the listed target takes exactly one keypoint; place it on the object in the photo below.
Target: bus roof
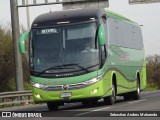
(119, 16)
(78, 15)
(73, 16)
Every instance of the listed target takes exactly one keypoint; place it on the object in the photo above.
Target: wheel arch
(138, 77)
(114, 80)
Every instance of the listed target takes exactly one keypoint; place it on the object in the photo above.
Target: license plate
(67, 94)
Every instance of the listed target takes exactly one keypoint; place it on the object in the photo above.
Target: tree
(7, 67)
(6, 57)
(153, 70)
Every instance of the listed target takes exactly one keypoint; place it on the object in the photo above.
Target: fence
(15, 98)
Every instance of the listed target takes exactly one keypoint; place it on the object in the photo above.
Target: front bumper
(96, 90)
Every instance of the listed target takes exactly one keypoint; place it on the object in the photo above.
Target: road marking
(92, 111)
(42, 110)
(138, 101)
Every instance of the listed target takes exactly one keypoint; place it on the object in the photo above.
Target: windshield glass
(63, 47)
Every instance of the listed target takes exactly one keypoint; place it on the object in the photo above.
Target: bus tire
(85, 103)
(110, 100)
(94, 102)
(136, 94)
(91, 102)
(52, 106)
(127, 97)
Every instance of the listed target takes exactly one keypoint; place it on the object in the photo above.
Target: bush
(153, 71)
(7, 67)
(151, 87)
(6, 58)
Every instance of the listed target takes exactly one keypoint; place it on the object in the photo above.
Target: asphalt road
(150, 101)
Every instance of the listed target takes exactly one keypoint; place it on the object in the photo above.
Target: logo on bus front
(65, 87)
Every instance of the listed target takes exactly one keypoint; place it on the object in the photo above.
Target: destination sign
(74, 4)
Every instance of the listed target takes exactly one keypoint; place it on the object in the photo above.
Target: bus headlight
(37, 85)
(94, 80)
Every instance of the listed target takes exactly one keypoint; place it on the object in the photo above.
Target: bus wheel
(52, 106)
(91, 102)
(110, 100)
(136, 94)
(86, 103)
(127, 97)
(94, 102)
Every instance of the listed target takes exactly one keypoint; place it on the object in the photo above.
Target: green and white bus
(84, 55)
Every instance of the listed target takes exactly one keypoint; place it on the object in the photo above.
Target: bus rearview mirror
(101, 35)
(22, 42)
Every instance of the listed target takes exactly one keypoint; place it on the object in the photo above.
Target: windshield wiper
(52, 68)
(92, 66)
(64, 67)
(82, 68)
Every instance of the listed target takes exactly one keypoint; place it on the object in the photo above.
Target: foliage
(7, 67)
(6, 57)
(151, 87)
(153, 71)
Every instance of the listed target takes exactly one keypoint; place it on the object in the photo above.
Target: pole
(28, 16)
(15, 36)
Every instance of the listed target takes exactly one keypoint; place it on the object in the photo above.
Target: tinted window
(124, 35)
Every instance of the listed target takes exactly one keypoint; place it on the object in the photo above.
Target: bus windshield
(72, 47)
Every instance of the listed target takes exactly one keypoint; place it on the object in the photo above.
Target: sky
(146, 15)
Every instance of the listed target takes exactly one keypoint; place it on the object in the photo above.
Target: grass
(11, 86)
(151, 87)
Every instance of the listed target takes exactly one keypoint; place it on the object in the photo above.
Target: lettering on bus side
(124, 58)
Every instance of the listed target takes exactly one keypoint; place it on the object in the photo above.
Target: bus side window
(103, 54)
(103, 48)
